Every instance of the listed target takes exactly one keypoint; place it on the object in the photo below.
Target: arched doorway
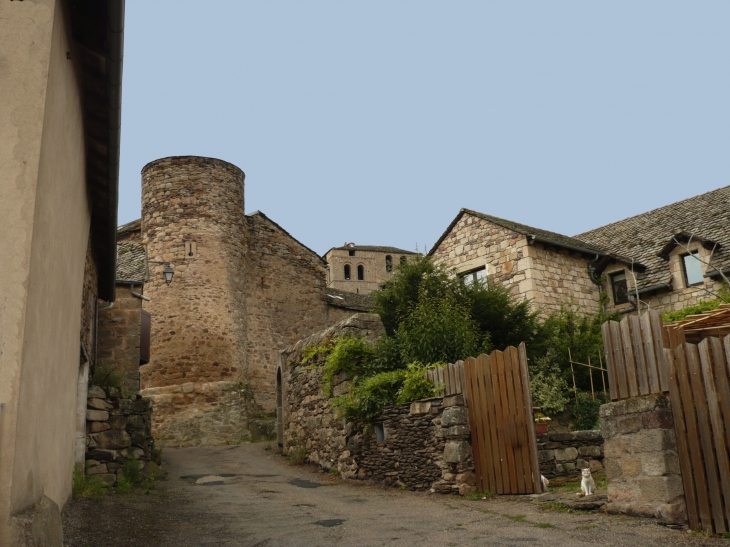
(279, 411)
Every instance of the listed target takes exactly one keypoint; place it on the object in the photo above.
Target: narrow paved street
(247, 496)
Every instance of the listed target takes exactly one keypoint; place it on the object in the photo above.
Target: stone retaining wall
(641, 459)
(563, 454)
(118, 426)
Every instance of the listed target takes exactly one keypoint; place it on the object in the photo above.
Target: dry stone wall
(426, 443)
(119, 335)
(118, 427)
(641, 460)
(549, 277)
(565, 454)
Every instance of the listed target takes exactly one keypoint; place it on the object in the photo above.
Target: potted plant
(541, 423)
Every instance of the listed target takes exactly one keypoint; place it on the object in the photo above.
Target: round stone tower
(193, 219)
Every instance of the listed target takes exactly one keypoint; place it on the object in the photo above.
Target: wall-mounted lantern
(167, 273)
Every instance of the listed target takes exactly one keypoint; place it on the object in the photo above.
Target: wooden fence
(502, 426)
(635, 358)
(700, 395)
(449, 377)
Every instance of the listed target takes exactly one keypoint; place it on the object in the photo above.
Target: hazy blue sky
(375, 122)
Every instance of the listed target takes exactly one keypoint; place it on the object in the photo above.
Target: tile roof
(643, 237)
(372, 248)
(134, 226)
(537, 234)
(349, 300)
(132, 262)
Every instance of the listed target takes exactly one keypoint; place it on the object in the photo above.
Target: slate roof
(543, 236)
(349, 300)
(643, 237)
(132, 262)
(129, 227)
(372, 248)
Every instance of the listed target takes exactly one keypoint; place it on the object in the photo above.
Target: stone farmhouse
(362, 268)
(664, 259)
(60, 114)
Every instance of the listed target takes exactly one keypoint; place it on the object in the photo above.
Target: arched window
(403, 260)
(347, 272)
(361, 273)
(388, 263)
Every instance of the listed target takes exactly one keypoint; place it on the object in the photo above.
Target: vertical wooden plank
(497, 430)
(447, 383)
(629, 358)
(460, 378)
(718, 433)
(463, 384)
(440, 377)
(505, 424)
(685, 461)
(475, 423)
(523, 441)
(637, 346)
(452, 378)
(618, 359)
(647, 338)
(535, 462)
(661, 341)
(610, 367)
(513, 418)
(490, 432)
(720, 364)
(699, 439)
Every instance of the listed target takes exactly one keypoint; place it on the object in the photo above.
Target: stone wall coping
(635, 405)
(587, 435)
(191, 387)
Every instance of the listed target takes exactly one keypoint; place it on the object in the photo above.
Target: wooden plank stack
(502, 425)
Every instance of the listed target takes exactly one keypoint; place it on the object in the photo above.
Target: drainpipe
(595, 278)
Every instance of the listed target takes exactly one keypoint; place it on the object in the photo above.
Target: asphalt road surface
(247, 496)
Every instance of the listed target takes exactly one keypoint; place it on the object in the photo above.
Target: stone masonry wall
(199, 321)
(426, 445)
(641, 461)
(89, 302)
(119, 335)
(118, 427)
(284, 301)
(547, 276)
(564, 454)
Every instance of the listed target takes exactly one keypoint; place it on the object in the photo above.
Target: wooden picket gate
(699, 391)
(635, 356)
(502, 426)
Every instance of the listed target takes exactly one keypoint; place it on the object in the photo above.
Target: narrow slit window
(347, 272)
(380, 433)
(692, 269)
(388, 263)
(619, 288)
(361, 273)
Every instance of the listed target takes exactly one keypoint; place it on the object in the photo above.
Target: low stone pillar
(641, 461)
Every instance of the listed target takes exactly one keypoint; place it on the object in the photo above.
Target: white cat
(545, 482)
(587, 484)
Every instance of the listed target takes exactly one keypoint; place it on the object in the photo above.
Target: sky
(375, 122)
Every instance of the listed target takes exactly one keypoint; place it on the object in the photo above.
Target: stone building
(669, 257)
(362, 268)
(243, 288)
(60, 83)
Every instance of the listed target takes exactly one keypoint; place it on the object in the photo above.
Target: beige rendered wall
(44, 222)
(548, 277)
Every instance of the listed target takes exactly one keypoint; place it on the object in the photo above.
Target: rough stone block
(457, 415)
(591, 451)
(113, 438)
(616, 447)
(622, 492)
(117, 422)
(566, 454)
(660, 463)
(135, 421)
(467, 477)
(467, 489)
(613, 468)
(630, 466)
(454, 400)
(98, 469)
(456, 451)
(420, 407)
(609, 427)
(109, 479)
(95, 392)
(97, 415)
(629, 424)
(458, 431)
(652, 440)
(96, 427)
(595, 465)
(661, 489)
(672, 513)
(544, 456)
(659, 419)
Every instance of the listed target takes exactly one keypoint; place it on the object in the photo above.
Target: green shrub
(547, 385)
(124, 485)
(349, 354)
(585, 410)
(297, 455)
(132, 470)
(437, 330)
(312, 353)
(415, 385)
(386, 355)
(369, 396)
(107, 375)
(87, 486)
(700, 307)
